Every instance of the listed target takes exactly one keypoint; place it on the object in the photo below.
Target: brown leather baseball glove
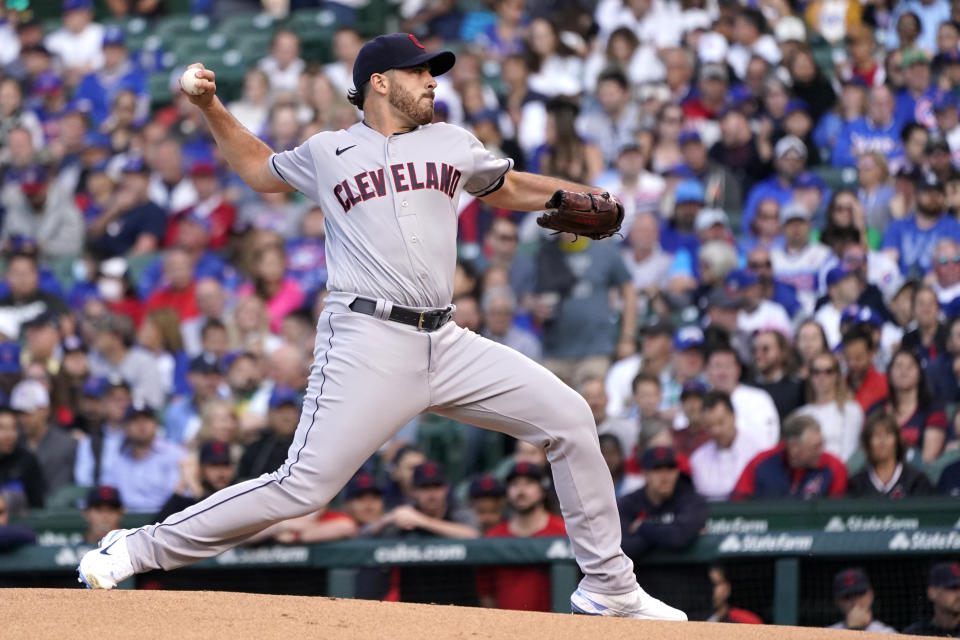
(595, 215)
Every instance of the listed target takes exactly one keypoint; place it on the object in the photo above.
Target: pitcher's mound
(102, 615)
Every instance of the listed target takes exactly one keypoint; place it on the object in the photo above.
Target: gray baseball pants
(370, 377)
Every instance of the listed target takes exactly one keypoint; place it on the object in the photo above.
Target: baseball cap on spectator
(689, 135)
(204, 363)
(215, 452)
(937, 142)
(682, 170)
(47, 83)
(202, 168)
(397, 51)
(739, 279)
(96, 140)
(658, 458)
(116, 381)
(103, 496)
(714, 71)
(837, 274)
(911, 57)
(526, 470)
(73, 5)
(706, 218)
(283, 396)
(720, 299)
(945, 575)
(135, 164)
(854, 81)
(114, 267)
(429, 474)
(944, 100)
(657, 326)
(28, 396)
(944, 58)
(861, 315)
(712, 47)
(43, 319)
(485, 486)
(929, 181)
(34, 179)
(692, 388)
(795, 211)
(767, 49)
(484, 115)
(94, 387)
(790, 29)
(9, 357)
(139, 408)
(790, 144)
(360, 484)
(689, 191)
(809, 180)
(850, 582)
(113, 36)
(689, 337)
(195, 218)
(695, 20)
(796, 104)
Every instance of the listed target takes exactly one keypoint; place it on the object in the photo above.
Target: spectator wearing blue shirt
(914, 102)
(677, 232)
(96, 91)
(930, 13)
(790, 159)
(183, 418)
(193, 236)
(878, 131)
(131, 224)
(911, 240)
(826, 131)
(148, 468)
(306, 253)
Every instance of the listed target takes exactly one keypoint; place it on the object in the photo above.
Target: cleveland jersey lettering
(405, 177)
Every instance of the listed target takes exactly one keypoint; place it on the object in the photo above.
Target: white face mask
(110, 289)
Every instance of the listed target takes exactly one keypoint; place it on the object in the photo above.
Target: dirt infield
(102, 615)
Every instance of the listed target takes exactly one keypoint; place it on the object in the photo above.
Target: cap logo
(487, 484)
(414, 40)
(955, 569)
(660, 453)
(106, 493)
(849, 578)
(218, 448)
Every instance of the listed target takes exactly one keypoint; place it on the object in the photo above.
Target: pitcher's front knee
(570, 420)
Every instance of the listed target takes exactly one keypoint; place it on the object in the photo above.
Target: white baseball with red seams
(190, 83)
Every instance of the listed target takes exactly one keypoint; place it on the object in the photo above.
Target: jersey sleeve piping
(496, 184)
(276, 169)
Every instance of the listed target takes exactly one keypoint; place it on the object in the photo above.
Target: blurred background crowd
(781, 317)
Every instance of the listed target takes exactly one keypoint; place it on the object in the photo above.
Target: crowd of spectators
(780, 319)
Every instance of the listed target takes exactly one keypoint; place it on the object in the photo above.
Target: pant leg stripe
(313, 418)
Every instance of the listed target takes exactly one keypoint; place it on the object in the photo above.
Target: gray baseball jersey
(391, 206)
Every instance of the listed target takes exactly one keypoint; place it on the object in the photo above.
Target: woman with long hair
(159, 336)
(565, 154)
(886, 473)
(666, 145)
(280, 293)
(556, 68)
(922, 421)
(875, 192)
(829, 401)
(811, 341)
(929, 338)
(844, 211)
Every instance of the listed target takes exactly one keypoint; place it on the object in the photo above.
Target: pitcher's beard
(410, 106)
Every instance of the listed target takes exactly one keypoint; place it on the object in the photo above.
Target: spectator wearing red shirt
(211, 207)
(722, 611)
(796, 468)
(179, 288)
(522, 587)
(923, 421)
(869, 385)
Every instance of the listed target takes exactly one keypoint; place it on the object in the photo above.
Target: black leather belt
(423, 320)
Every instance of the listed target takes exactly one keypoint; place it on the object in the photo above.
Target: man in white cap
(799, 261)
(54, 449)
(790, 159)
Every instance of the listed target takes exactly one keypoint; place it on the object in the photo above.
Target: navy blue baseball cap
(850, 582)
(809, 180)
(740, 279)
(688, 135)
(283, 396)
(397, 51)
(73, 5)
(215, 452)
(690, 337)
(104, 497)
(658, 457)
(796, 104)
(526, 470)
(361, 484)
(486, 486)
(945, 575)
(429, 474)
(205, 363)
(135, 165)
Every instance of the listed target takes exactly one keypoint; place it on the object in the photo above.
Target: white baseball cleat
(109, 564)
(635, 604)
